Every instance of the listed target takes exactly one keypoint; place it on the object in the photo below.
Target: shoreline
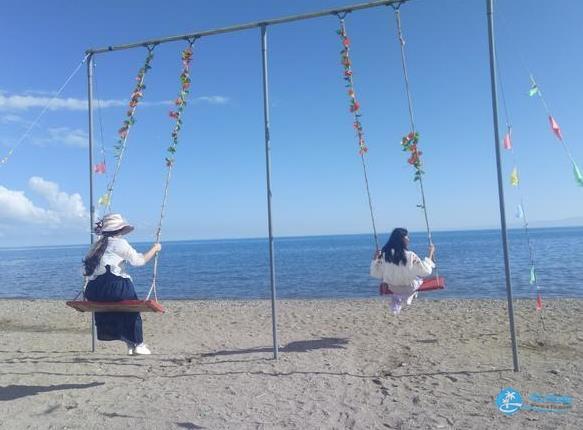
(342, 364)
(421, 231)
(424, 298)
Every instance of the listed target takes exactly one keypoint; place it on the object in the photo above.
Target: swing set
(145, 305)
(409, 143)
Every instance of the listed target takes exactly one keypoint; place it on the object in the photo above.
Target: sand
(343, 364)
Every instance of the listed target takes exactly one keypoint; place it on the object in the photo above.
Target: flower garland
(180, 103)
(123, 132)
(354, 104)
(410, 144)
(135, 98)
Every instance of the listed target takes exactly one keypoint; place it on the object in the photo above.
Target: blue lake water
(311, 267)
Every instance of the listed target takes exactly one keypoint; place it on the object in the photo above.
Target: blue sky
(218, 187)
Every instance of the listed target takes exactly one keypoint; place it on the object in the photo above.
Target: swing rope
(418, 177)
(171, 151)
(124, 131)
(355, 110)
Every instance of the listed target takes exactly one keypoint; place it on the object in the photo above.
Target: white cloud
(25, 102)
(15, 206)
(66, 136)
(63, 136)
(40, 93)
(67, 206)
(214, 100)
(38, 99)
(11, 119)
(62, 209)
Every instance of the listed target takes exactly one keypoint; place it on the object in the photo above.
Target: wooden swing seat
(122, 306)
(429, 284)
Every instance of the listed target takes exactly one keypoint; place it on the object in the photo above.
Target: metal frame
(494, 85)
(248, 26)
(262, 25)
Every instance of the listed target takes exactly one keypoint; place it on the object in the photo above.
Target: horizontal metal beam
(190, 36)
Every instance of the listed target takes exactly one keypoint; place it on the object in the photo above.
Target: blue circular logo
(509, 401)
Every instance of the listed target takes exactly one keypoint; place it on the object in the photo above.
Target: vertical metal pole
(490, 8)
(268, 175)
(91, 206)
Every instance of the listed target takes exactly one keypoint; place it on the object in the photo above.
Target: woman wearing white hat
(108, 282)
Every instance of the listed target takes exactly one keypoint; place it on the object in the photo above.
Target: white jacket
(118, 250)
(402, 278)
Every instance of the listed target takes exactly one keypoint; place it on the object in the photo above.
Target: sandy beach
(343, 364)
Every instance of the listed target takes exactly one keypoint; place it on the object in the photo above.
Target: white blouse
(117, 252)
(402, 278)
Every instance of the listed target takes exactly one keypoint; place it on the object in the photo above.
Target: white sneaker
(411, 297)
(130, 350)
(141, 349)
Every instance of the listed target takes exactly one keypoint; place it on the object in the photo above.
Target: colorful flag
(555, 128)
(104, 199)
(514, 177)
(508, 140)
(99, 168)
(533, 90)
(578, 176)
(532, 276)
(519, 212)
(539, 302)
(5, 159)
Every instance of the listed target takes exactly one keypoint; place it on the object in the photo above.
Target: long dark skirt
(124, 326)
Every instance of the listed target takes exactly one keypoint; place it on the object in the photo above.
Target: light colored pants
(398, 299)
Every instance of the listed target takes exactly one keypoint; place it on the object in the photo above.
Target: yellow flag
(514, 177)
(104, 199)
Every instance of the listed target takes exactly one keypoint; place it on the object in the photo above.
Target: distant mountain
(565, 222)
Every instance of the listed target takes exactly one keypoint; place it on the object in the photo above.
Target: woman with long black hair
(109, 282)
(401, 269)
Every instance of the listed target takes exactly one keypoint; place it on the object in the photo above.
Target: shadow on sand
(298, 346)
(12, 392)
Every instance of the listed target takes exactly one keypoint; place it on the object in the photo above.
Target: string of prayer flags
(180, 103)
(5, 158)
(508, 139)
(105, 199)
(555, 128)
(348, 78)
(577, 173)
(539, 302)
(533, 91)
(519, 212)
(514, 177)
(532, 279)
(99, 168)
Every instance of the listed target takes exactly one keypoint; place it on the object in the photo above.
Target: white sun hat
(113, 223)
